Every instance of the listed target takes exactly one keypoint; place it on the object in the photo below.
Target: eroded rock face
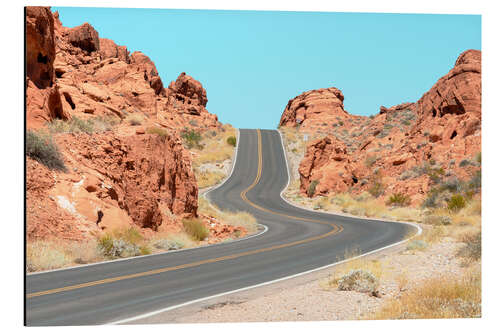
(401, 146)
(97, 78)
(40, 53)
(109, 49)
(118, 176)
(113, 182)
(43, 101)
(84, 37)
(315, 109)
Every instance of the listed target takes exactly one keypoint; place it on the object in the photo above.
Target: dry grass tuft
(134, 119)
(195, 228)
(237, 219)
(53, 254)
(371, 266)
(209, 178)
(442, 297)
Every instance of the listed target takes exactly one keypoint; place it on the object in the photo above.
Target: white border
(149, 314)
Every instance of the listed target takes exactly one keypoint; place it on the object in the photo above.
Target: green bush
(231, 141)
(192, 139)
(157, 130)
(195, 228)
(312, 188)
(377, 189)
(399, 199)
(456, 203)
(41, 147)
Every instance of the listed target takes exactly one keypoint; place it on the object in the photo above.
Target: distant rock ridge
(352, 153)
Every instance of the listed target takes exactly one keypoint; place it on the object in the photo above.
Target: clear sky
(252, 62)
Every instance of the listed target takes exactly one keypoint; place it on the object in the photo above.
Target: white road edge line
(263, 226)
(170, 308)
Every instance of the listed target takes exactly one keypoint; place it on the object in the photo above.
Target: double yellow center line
(335, 229)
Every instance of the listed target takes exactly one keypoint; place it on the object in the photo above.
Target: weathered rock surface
(402, 147)
(84, 37)
(315, 109)
(43, 102)
(96, 78)
(119, 176)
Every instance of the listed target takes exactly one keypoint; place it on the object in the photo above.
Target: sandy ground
(309, 298)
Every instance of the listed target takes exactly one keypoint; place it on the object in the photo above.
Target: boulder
(84, 37)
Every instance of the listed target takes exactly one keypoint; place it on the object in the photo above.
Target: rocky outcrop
(94, 77)
(85, 37)
(109, 49)
(327, 164)
(404, 147)
(43, 102)
(116, 181)
(315, 109)
(41, 52)
(120, 175)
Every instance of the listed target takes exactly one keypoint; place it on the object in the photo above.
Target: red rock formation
(314, 109)
(42, 95)
(440, 130)
(94, 77)
(84, 37)
(109, 49)
(119, 177)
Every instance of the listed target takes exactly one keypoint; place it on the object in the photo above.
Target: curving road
(297, 240)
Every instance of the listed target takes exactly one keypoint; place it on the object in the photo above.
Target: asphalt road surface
(297, 240)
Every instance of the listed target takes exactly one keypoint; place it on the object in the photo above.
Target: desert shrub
(370, 160)
(144, 250)
(435, 174)
(472, 249)
(157, 130)
(449, 296)
(42, 255)
(117, 248)
(456, 203)
(195, 228)
(166, 244)
(453, 185)
(231, 141)
(312, 188)
(122, 243)
(399, 199)
(377, 189)
(475, 181)
(416, 244)
(358, 280)
(41, 147)
(407, 174)
(192, 139)
(465, 162)
(437, 220)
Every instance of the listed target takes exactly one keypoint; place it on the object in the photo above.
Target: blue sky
(252, 62)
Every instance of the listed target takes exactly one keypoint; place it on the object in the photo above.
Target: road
(297, 240)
